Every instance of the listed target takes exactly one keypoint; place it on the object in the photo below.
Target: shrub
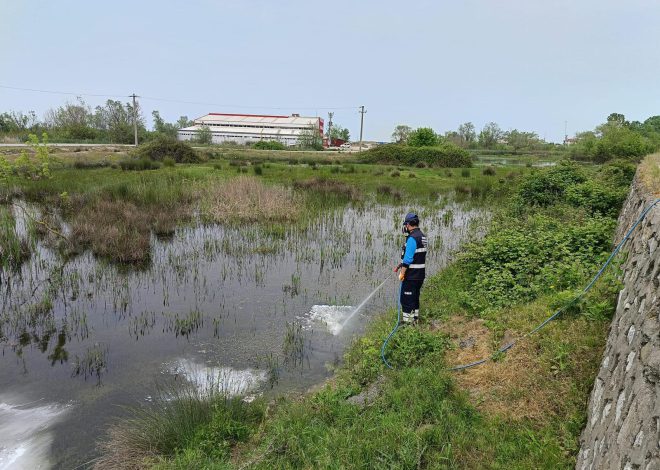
(395, 174)
(489, 171)
(518, 263)
(269, 145)
(423, 137)
(596, 197)
(139, 164)
(258, 170)
(163, 147)
(169, 162)
(549, 185)
(443, 155)
(465, 173)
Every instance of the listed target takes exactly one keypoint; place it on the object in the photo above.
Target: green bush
(548, 186)
(163, 147)
(517, 263)
(169, 162)
(139, 164)
(269, 145)
(443, 155)
(596, 197)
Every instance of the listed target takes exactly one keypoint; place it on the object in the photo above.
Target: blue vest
(417, 269)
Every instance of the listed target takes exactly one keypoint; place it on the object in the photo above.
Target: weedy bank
(523, 409)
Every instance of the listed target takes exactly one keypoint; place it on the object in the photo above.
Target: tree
(15, 122)
(617, 119)
(183, 121)
(490, 135)
(72, 121)
(467, 133)
(204, 135)
(401, 133)
(423, 137)
(162, 127)
(310, 138)
(338, 132)
(116, 119)
(520, 139)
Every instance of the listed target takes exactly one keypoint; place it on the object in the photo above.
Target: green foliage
(597, 197)
(204, 135)
(338, 132)
(163, 147)
(269, 145)
(29, 167)
(422, 137)
(401, 134)
(617, 138)
(443, 155)
(548, 186)
(139, 164)
(310, 139)
(490, 135)
(519, 262)
(164, 128)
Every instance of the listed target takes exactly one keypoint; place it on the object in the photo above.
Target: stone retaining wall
(623, 424)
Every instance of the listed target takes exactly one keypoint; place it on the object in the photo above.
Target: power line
(52, 92)
(169, 100)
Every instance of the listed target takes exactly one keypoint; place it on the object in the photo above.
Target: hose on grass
(510, 345)
(396, 327)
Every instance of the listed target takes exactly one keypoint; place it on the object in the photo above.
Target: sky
(533, 65)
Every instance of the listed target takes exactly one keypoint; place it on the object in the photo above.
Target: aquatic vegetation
(14, 249)
(180, 416)
(248, 199)
(93, 363)
(293, 347)
(183, 325)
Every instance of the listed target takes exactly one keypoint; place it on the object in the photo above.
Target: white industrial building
(250, 128)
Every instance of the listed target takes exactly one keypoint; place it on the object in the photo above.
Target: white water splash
(225, 379)
(25, 438)
(330, 316)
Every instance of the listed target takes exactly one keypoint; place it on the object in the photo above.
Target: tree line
(615, 138)
(76, 121)
(490, 137)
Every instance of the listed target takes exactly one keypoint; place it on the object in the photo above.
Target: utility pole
(135, 119)
(362, 111)
(330, 114)
(565, 132)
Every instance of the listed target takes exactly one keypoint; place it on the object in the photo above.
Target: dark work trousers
(410, 296)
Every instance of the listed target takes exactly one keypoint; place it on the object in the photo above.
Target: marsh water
(263, 309)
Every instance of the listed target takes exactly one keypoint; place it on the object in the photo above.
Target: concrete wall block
(623, 427)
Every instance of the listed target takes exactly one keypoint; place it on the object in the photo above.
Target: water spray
(364, 302)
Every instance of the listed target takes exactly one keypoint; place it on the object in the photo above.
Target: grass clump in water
(181, 417)
(247, 199)
(13, 249)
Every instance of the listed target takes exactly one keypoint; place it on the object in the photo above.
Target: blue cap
(411, 218)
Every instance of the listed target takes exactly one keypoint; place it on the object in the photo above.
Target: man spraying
(412, 268)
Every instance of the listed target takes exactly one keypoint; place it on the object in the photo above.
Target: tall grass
(180, 416)
(13, 249)
(247, 199)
